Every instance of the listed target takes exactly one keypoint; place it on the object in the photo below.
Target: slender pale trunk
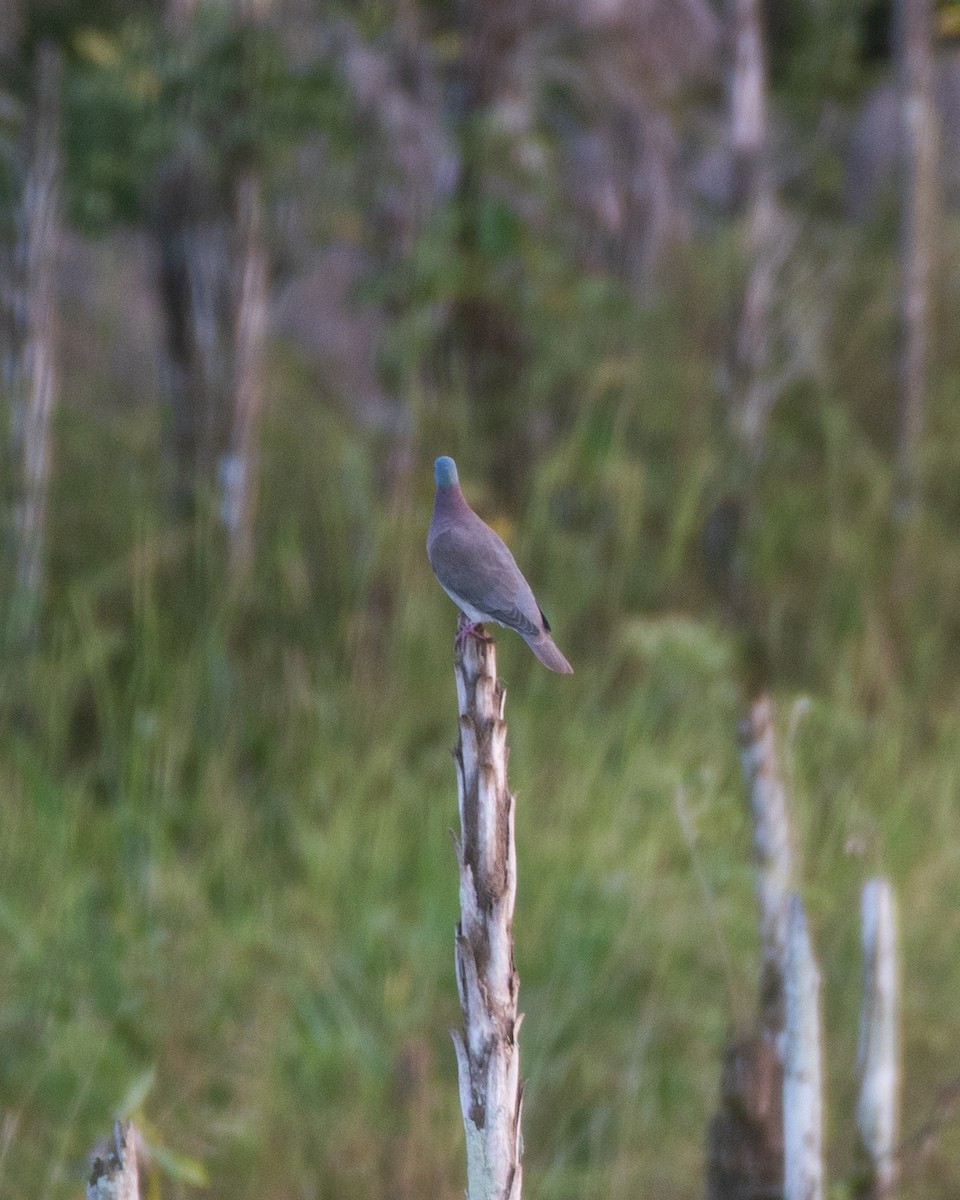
(913, 32)
(488, 1057)
(490, 341)
(240, 469)
(114, 1175)
(33, 408)
(878, 1054)
(802, 1066)
(752, 398)
(773, 853)
(745, 1142)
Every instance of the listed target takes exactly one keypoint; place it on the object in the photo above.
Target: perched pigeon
(479, 574)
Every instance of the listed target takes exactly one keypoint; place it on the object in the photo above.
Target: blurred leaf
(179, 1167)
(136, 1094)
(98, 48)
(498, 229)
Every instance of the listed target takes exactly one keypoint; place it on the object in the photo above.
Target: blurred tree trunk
(751, 395)
(194, 281)
(745, 1143)
(32, 329)
(750, 391)
(239, 470)
(878, 1052)
(213, 281)
(180, 13)
(490, 345)
(802, 1063)
(11, 28)
(913, 36)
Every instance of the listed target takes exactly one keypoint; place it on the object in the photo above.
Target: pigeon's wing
(474, 563)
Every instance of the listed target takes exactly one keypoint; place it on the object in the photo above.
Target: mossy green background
(227, 884)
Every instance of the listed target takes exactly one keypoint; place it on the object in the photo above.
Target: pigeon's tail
(546, 649)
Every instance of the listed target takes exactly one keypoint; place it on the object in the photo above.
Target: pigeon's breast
(466, 608)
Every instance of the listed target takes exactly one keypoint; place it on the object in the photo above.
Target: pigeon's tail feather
(547, 650)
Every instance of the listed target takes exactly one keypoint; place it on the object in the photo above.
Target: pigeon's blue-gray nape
(445, 471)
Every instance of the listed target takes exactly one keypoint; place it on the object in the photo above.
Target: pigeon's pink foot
(466, 628)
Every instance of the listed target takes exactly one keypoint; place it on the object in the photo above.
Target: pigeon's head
(445, 472)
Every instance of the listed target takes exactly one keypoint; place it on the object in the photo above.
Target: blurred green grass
(227, 885)
(273, 941)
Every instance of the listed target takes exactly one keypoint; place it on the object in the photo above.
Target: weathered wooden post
(745, 1142)
(878, 1054)
(114, 1176)
(802, 1064)
(488, 1057)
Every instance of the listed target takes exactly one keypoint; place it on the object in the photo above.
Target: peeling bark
(114, 1176)
(752, 398)
(488, 1057)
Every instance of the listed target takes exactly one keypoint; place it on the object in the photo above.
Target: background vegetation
(227, 886)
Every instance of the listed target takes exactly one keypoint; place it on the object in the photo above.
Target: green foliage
(818, 53)
(231, 910)
(221, 92)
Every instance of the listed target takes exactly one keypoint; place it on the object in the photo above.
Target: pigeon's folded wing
(474, 563)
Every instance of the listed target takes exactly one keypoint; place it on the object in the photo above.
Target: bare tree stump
(773, 853)
(878, 1056)
(488, 1057)
(745, 1140)
(114, 1175)
(802, 1066)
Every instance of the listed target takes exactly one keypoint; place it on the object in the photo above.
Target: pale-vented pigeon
(479, 574)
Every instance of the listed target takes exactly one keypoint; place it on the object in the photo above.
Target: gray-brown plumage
(477, 571)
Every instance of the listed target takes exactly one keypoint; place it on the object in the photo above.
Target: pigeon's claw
(466, 628)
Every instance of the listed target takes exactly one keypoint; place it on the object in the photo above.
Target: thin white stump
(802, 1065)
(488, 1058)
(772, 835)
(745, 1142)
(114, 1176)
(878, 1060)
